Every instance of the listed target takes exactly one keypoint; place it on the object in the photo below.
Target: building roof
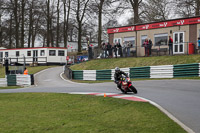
(155, 25)
(35, 48)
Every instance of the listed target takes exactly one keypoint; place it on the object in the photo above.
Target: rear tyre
(133, 89)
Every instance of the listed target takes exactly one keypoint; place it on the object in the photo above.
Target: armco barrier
(3, 82)
(89, 74)
(164, 71)
(186, 70)
(19, 80)
(199, 69)
(11, 80)
(78, 75)
(103, 74)
(140, 72)
(23, 80)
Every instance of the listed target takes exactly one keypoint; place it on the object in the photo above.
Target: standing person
(150, 46)
(109, 48)
(115, 50)
(103, 50)
(25, 71)
(199, 44)
(170, 44)
(106, 50)
(119, 49)
(124, 49)
(129, 45)
(145, 44)
(90, 51)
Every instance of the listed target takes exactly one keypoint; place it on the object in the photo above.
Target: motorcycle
(126, 85)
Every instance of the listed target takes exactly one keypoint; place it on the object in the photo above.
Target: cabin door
(35, 56)
(178, 44)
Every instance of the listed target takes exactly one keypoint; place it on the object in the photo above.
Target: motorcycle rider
(117, 76)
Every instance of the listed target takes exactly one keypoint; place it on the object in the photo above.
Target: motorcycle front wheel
(133, 89)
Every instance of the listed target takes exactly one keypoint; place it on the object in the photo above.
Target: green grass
(136, 62)
(31, 70)
(11, 87)
(64, 113)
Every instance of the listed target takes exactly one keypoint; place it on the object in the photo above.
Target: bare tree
(66, 21)
(58, 23)
(15, 6)
(155, 10)
(1, 12)
(80, 14)
(187, 8)
(135, 6)
(48, 23)
(23, 2)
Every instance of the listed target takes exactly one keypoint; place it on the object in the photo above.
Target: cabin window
(42, 53)
(117, 40)
(61, 53)
(143, 37)
(28, 53)
(6, 54)
(17, 53)
(52, 52)
(130, 41)
(160, 39)
(199, 32)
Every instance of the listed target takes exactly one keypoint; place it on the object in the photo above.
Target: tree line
(53, 23)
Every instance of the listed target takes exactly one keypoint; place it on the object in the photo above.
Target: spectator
(90, 51)
(170, 44)
(103, 50)
(109, 48)
(124, 49)
(199, 44)
(119, 49)
(150, 46)
(25, 71)
(129, 45)
(115, 50)
(145, 44)
(106, 50)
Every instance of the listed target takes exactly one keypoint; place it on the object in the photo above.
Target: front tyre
(133, 89)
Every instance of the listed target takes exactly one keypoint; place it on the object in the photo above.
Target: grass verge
(136, 62)
(31, 70)
(61, 113)
(102, 81)
(11, 87)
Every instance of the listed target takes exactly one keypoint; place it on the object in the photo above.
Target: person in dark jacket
(119, 49)
(115, 50)
(170, 44)
(117, 76)
(146, 45)
(150, 46)
(199, 44)
(109, 48)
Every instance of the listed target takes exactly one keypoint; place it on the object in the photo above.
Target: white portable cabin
(39, 55)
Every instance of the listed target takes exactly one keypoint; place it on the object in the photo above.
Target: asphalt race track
(181, 98)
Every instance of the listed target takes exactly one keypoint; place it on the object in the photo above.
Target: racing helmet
(117, 70)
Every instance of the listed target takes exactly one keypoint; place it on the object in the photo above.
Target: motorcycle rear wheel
(133, 89)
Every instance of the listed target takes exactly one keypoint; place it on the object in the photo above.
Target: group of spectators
(147, 46)
(116, 50)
